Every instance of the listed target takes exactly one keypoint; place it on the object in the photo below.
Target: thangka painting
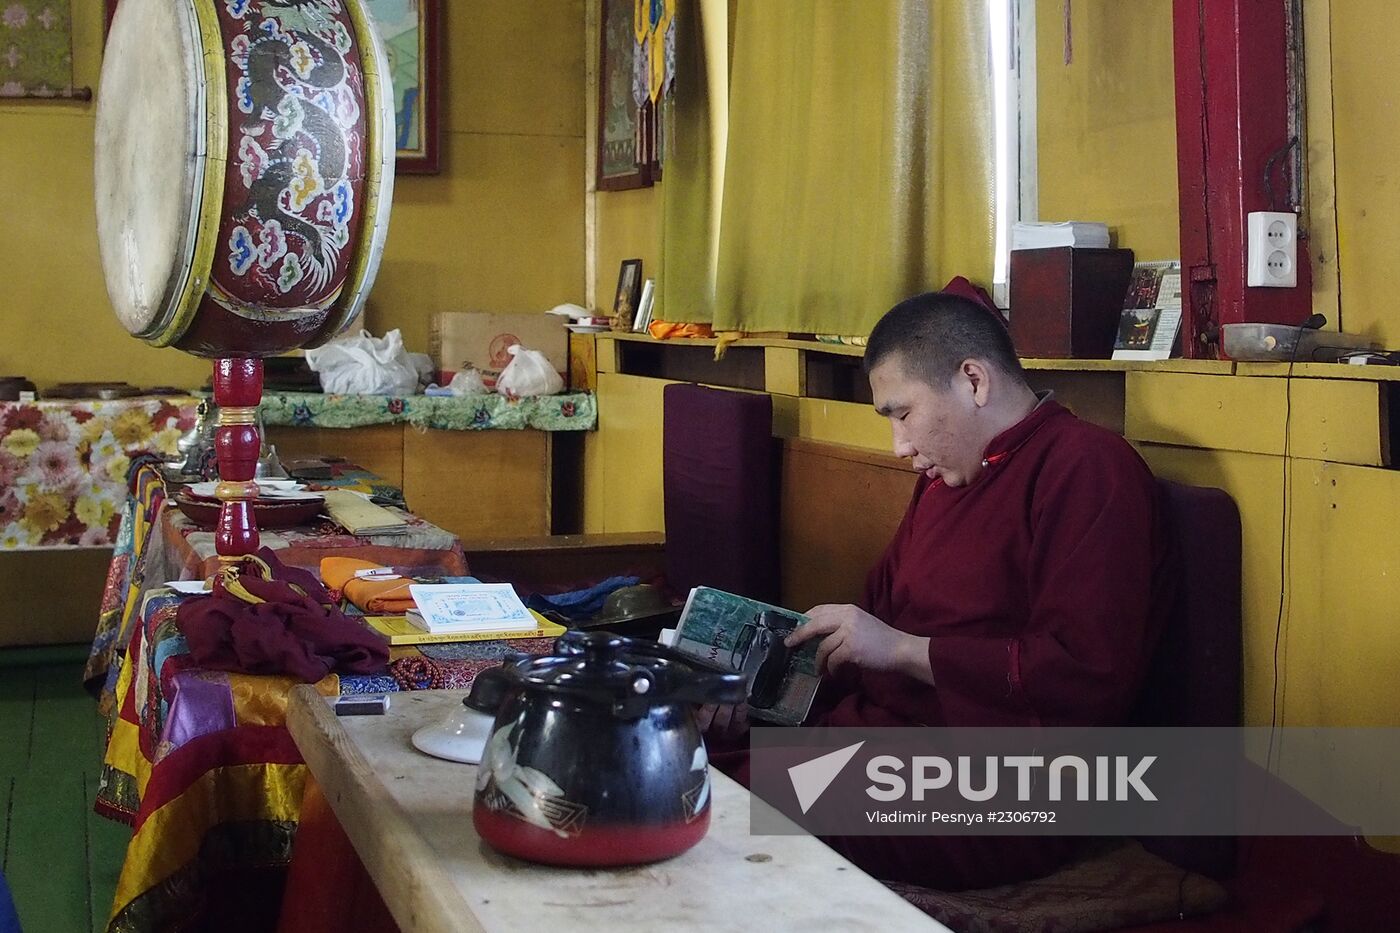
(409, 29)
(36, 48)
(636, 62)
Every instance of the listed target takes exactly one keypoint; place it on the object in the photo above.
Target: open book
(735, 634)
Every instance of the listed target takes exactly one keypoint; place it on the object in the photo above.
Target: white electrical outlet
(1273, 249)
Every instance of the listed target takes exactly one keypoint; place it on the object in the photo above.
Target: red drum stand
(238, 384)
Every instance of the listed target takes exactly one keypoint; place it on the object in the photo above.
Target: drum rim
(215, 139)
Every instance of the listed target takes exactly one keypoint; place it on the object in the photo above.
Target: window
(1013, 105)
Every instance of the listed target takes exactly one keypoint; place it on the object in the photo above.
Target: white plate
(461, 736)
(588, 328)
(267, 489)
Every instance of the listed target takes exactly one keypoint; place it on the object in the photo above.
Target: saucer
(461, 736)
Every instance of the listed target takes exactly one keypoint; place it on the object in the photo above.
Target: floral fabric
(574, 411)
(63, 465)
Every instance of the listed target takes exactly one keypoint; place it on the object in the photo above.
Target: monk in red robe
(1018, 589)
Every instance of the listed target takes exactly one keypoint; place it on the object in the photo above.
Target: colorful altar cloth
(574, 411)
(63, 465)
(158, 544)
(201, 764)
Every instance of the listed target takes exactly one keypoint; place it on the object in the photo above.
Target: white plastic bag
(468, 382)
(365, 365)
(529, 373)
(424, 365)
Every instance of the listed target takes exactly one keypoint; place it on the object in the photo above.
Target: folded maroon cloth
(283, 625)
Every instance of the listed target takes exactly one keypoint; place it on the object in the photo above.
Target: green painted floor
(60, 858)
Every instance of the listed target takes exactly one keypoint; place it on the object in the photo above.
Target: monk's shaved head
(932, 334)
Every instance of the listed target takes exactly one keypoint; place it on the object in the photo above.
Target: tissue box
(464, 339)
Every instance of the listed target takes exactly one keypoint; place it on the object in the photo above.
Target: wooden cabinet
(475, 484)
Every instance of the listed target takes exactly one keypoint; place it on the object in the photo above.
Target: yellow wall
(1106, 127)
(1365, 60)
(629, 227)
(501, 228)
(55, 322)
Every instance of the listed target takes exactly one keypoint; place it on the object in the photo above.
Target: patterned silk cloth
(64, 463)
(200, 762)
(156, 545)
(201, 765)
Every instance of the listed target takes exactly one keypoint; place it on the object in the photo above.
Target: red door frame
(1233, 146)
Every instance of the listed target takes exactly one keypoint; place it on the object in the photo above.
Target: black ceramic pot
(594, 756)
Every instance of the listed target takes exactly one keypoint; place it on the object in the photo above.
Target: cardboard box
(460, 340)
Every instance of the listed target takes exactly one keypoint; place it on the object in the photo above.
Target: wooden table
(409, 819)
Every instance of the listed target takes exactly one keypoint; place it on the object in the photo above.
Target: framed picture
(629, 293)
(627, 137)
(410, 31)
(642, 320)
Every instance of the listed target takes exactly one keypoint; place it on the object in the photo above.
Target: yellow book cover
(400, 631)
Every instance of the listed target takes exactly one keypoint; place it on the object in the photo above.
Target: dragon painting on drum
(289, 219)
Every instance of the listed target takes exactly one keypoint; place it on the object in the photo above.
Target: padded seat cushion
(1124, 886)
(718, 458)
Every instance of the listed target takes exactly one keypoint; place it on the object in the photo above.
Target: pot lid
(629, 674)
(616, 665)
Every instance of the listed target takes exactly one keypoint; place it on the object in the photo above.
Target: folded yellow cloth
(375, 597)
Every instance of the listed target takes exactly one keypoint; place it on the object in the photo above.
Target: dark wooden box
(1066, 302)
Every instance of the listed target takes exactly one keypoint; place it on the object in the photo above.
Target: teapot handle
(489, 689)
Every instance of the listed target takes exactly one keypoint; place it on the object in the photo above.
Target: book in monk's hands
(399, 631)
(736, 634)
(445, 608)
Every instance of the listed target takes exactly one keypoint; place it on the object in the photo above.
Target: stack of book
(451, 612)
(1082, 234)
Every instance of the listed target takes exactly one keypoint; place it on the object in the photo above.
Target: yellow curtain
(853, 168)
(697, 128)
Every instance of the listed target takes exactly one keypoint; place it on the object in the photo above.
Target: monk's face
(937, 428)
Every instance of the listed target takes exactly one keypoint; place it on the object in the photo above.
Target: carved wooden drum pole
(244, 173)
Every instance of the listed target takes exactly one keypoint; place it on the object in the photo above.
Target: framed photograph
(642, 319)
(410, 30)
(629, 294)
(626, 130)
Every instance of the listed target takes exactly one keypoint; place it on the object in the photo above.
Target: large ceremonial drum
(244, 171)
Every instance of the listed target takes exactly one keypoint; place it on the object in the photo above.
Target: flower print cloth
(572, 411)
(63, 465)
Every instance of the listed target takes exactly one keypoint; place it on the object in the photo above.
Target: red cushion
(720, 483)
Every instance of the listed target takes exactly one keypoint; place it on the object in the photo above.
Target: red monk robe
(1035, 587)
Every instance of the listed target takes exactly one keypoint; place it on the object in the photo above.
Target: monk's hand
(723, 720)
(850, 635)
